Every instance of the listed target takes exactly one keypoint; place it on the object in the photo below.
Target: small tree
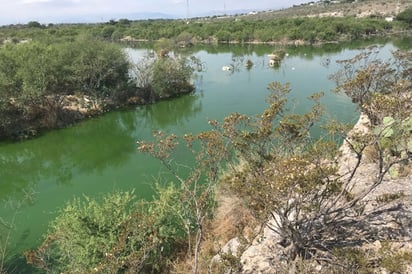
(294, 183)
(165, 77)
(184, 39)
(365, 78)
(405, 16)
(142, 75)
(163, 47)
(197, 183)
(171, 77)
(34, 24)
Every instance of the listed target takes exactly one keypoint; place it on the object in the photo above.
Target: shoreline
(75, 109)
(279, 42)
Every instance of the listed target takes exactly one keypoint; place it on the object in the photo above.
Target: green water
(100, 155)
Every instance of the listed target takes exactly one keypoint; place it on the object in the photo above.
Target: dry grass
(370, 154)
(232, 219)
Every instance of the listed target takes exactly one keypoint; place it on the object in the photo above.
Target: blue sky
(58, 11)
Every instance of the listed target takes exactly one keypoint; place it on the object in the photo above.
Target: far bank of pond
(99, 155)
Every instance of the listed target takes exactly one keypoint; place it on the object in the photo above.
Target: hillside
(364, 8)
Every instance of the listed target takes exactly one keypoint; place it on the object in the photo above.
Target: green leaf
(407, 124)
(388, 121)
(387, 130)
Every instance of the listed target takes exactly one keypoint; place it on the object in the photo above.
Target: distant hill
(338, 8)
(147, 15)
(357, 8)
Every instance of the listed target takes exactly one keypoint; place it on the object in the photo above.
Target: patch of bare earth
(81, 104)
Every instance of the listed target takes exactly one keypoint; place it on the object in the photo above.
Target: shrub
(112, 234)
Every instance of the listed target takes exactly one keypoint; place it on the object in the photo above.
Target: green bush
(405, 16)
(35, 76)
(171, 77)
(113, 234)
(84, 234)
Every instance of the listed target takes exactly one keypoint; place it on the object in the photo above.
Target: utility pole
(187, 11)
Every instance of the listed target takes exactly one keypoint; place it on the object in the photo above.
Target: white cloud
(28, 2)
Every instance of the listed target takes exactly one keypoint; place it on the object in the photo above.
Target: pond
(37, 177)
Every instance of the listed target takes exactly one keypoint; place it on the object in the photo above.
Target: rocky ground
(264, 254)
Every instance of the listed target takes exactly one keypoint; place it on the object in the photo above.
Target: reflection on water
(85, 148)
(171, 112)
(100, 155)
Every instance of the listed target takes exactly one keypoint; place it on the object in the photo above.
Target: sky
(63, 11)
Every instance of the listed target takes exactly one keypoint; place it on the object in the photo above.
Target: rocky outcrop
(265, 254)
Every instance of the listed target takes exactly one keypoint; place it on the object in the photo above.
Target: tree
(368, 80)
(171, 77)
(34, 24)
(163, 46)
(184, 39)
(197, 183)
(100, 70)
(223, 36)
(9, 85)
(8, 72)
(35, 77)
(405, 16)
(142, 73)
(107, 32)
(124, 21)
(294, 183)
(163, 77)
